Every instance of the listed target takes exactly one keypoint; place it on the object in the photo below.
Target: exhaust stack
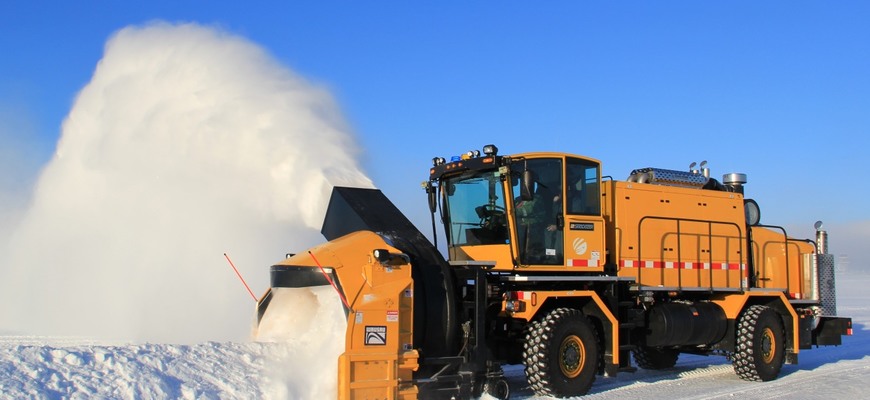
(827, 282)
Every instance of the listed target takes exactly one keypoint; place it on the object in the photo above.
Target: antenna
(328, 279)
(240, 277)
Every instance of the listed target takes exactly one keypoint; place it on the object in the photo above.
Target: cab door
(538, 215)
(584, 226)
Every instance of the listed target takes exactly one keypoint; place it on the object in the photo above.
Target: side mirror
(527, 187)
(433, 199)
(451, 189)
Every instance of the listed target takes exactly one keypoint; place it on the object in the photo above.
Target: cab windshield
(475, 205)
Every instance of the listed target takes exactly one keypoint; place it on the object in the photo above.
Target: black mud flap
(831, 330)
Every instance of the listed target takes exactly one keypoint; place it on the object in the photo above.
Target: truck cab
(523, 212)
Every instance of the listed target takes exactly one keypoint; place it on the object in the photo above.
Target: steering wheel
(491, 215)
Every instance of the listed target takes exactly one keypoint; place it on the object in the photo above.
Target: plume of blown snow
(188, 142)
(19, 163)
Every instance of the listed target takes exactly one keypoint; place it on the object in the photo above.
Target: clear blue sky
(778, 90)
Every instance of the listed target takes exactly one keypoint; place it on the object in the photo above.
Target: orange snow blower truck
(568, 272)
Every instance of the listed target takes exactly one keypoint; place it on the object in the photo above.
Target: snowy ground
(53, 368)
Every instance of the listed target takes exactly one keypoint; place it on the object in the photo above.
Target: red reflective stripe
(523, 295)
(572, 262)
(626, 263)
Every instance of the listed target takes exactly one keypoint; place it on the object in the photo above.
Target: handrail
(741, 239)
(785, 243)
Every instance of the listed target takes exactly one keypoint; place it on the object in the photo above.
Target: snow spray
(309, 326)
(186, 143)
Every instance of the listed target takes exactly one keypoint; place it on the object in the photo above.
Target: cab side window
(582, 194)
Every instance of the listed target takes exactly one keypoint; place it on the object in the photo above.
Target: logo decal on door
(580, 246)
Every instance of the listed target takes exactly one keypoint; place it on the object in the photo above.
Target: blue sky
(777, 90)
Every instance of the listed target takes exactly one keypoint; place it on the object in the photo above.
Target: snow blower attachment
(569, 274)
(379, 358)
(392, 309)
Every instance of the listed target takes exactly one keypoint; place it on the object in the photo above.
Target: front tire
(760, 348)
(561, 354)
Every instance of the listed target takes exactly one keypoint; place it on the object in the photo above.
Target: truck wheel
(498, 388)
(759, 353)
(655, 357)
(561, 354)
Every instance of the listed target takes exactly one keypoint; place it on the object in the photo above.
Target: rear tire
(498, 388)
(561, 354)
(760, 349)
(655, 357)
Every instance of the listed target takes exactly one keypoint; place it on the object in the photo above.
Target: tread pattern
(535, 359)
(536, 349)
(655, 358)
(744, 359)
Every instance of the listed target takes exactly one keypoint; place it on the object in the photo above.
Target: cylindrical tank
(685, 324)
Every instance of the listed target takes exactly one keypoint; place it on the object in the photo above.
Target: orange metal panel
(676, 237)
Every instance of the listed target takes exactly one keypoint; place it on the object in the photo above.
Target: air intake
(668, 177)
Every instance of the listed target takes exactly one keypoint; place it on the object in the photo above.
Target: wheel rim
(768, 346)
(572, 356)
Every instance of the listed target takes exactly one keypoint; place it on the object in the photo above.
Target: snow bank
(147, 371)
